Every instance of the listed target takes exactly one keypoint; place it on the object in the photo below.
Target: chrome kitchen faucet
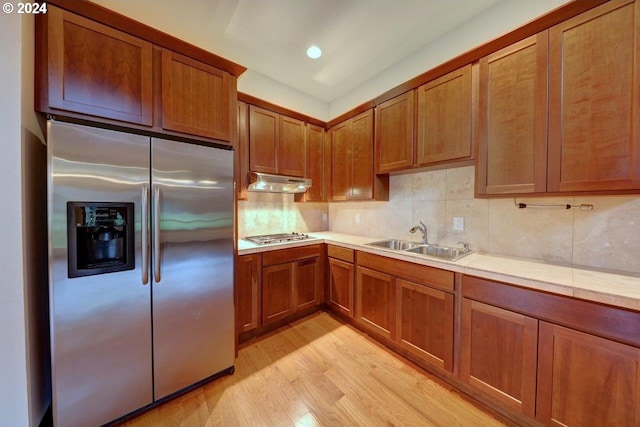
(423, 229)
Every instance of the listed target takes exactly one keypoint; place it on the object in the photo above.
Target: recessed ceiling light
(314, 52)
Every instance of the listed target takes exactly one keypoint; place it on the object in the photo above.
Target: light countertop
(603, 287)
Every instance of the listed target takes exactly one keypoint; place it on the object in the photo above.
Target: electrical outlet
(357, 218)
(458, 223)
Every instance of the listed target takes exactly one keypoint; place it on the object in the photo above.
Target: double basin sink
(429, 250)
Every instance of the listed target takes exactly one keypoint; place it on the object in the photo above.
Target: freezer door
(192, 266)
(100, 324)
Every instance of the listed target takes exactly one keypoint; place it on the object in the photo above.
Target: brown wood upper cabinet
(444, 118)
(594, 100)
(352, 173)
(317, 165)
(276, 143)
(395, 133)
(511, 124)
(435, 129)
(95, 70)
(88, 70)
(583, 137)
(195, 97)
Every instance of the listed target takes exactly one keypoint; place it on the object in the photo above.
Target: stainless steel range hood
(266, 183)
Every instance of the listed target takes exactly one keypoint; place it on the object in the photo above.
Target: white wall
(14, 409)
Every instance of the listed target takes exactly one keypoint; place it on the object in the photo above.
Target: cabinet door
(425, 323)
(316, 166)
(361, 136)
(375, 302)
(196, 97)
(264, 132)
(394, 133)
(277, 295)
(341, 286)
(594, 100)
(306, 283)
(340, 162)
(586, 380)
(248, 292)
(291, 150)
(511, 122)
(444, 118)
(499, 354)
(242, 152)
(96, 70)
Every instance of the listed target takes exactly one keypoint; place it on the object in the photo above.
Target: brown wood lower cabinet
(560, 360)
(424, 323)
(341, 275)
(409, 305)
(499, 353)
(248, 269)
(375, 302)
(586, 380)
(291, 281)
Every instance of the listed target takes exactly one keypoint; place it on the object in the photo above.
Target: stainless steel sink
(434, 251)
(398, 245)
(442, 252)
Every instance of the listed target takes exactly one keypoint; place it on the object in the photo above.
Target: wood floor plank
(318, 372)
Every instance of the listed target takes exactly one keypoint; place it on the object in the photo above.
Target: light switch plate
(458, 223)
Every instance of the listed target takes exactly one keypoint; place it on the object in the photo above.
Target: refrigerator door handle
(156, 234)
(145, 235)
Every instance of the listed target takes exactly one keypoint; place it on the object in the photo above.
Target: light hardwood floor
(318, 372)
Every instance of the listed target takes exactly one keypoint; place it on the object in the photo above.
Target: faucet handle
(465, 246)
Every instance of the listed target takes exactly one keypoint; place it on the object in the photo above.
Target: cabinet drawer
(345, 254)
(422, 274)
(289, 255)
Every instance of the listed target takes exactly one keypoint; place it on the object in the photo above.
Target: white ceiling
(359, 38)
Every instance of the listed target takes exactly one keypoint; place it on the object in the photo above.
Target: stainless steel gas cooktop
(278, 238)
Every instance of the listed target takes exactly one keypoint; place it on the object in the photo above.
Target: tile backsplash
(268, 213)
(608, 237)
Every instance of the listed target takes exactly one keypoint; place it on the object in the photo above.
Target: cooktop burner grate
(278, 238)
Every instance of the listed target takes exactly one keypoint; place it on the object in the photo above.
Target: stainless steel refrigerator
(141, 243)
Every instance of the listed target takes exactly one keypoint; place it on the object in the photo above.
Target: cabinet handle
(145, 234)
(156, 235)
(306, 261)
